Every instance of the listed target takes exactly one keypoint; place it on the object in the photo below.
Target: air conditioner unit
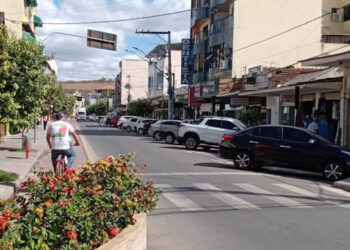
(336, 17)
(224, 64)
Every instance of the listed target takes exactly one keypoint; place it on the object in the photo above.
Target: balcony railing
(199, 13)
(222, 32)
(217, 2)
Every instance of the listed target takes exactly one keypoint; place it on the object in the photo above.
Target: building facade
(133, 77)
(20, 17)
(315, 32)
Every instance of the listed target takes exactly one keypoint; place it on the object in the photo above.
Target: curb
(88, 152)
(10, 188)
(344, 184)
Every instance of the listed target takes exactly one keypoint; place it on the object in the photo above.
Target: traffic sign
(101, 40)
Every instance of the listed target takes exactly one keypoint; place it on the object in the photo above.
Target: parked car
(130, 124)
(122, 120)
(208, 131)
(154, 128)
(167, 130)
(286, 146)
(143, 124)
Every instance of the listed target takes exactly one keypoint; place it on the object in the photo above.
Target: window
(346, 13)
(177, 123)
(214, 123)
(160, 78)
(150, 82)
(295, 135)
(228, 125)
(167, 123)
(271, 132)
(253, 132)
(133, 120)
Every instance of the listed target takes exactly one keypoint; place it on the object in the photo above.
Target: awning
(28, 36)
(37, 21)
(31, 3)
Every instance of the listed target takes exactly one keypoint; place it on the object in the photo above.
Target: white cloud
(75, 60)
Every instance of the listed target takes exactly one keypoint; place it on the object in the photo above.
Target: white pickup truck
(208, 132)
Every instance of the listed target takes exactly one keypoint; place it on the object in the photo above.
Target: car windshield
(81, 113)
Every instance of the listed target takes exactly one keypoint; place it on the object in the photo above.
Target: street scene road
(207, 204)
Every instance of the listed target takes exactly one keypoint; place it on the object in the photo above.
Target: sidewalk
(344, 184)
(13, 161)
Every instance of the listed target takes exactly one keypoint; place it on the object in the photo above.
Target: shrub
(77, 210)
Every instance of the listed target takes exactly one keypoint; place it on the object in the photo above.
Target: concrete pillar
(213, 103)
(317, 96)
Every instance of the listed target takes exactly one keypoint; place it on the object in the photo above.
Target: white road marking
(201, 173)
(307, 193)
(229, 199)
(179, 200)
(333, 190)
(272, 196)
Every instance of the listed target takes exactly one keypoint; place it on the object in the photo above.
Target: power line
(113, 21)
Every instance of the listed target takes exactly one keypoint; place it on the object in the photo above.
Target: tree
(23, 79)
(140, 107)
(57, 99)
(100, 108)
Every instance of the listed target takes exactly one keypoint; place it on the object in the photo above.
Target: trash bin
(30, 143)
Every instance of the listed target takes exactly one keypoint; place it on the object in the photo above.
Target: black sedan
(286, 146)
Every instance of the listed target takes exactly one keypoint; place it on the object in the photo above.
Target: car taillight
(181, 125)
(227, 138)
(150, 126)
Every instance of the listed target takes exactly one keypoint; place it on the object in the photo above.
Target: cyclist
(58, 138)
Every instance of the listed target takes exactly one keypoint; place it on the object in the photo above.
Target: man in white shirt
(58, 138)
(313, 126)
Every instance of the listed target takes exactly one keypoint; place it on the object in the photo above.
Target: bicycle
(61, 163)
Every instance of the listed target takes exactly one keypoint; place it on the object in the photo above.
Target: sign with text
(101, 40)
(185, 61)
(237, 101)
(197, 90)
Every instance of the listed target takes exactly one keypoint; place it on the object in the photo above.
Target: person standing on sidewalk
(45, 123)
(58, 139)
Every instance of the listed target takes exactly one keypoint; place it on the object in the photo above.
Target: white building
(133, 80)
(158, 68)
(255, 21)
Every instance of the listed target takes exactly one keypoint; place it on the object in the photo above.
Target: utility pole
(128, 87)
(170, 89)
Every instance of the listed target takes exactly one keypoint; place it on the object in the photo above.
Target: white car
(140, 126)
(122, 120)
(208, 132)
(130, 124)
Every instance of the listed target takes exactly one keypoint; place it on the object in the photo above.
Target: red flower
(113, 232)
(102, 216)
(93, 191)
(6, 213)
(52, 186)
(116, 202)
(69, 174)
(16, 216)
(141, 195)
(73, 191)
(55, 180)
(72, 235)
(100, 192)
(149, 200)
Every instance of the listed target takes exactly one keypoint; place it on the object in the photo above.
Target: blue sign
(185, 61)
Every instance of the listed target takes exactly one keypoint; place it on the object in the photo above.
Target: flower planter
(134, 237)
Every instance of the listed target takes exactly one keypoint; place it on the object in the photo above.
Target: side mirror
(312, 141)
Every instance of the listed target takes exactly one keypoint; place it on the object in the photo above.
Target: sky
(78, 62)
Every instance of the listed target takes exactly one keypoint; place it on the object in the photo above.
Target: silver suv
(165, 129)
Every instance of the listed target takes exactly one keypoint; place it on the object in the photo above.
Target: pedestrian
(323, 124)
(313, 126)
(45, 123)
(307, 121)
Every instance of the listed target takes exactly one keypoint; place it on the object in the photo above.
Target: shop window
(346, 13)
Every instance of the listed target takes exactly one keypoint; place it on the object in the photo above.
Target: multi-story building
(20, 17)
(133, 80)
(263, 34)
(158, 79)
(212, 40)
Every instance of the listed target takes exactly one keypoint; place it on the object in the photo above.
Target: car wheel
(191, 143)
(206, 148)
(140, 131)
(334, 171)
(243, 160)
(128, 129)
(169, 139)
(157, 136)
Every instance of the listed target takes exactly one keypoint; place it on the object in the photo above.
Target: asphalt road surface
(207, 204)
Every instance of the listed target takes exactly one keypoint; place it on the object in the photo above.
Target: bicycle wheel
(59, 166)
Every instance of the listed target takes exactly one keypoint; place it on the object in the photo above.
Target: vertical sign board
(101, 40)
(185, 61)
